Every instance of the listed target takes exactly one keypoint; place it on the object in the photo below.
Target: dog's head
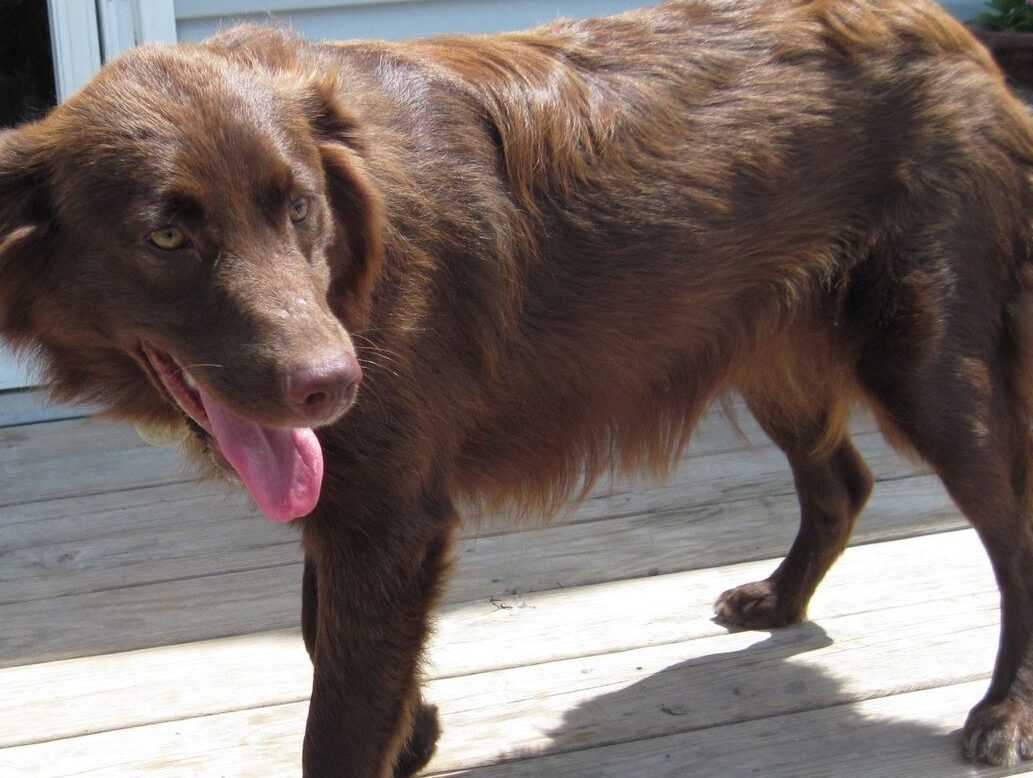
(186, 239)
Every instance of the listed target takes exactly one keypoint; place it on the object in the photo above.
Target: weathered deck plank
(910, 735)
(603, 698)
(94, 693)
(195, 601)
(172, 610)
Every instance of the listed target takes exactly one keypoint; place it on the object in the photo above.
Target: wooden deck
(148, 626)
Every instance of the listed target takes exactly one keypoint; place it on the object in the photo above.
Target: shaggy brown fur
(552, 250)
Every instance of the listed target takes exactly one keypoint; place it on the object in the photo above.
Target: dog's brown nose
(319, 391)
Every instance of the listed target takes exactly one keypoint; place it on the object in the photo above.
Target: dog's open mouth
(282, 468)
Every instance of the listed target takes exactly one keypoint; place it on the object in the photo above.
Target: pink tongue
(282, 468)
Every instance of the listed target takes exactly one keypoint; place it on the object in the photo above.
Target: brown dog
(551, 250)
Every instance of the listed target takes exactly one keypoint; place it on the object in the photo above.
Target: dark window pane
(26, 65)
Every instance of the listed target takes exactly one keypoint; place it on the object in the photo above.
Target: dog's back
(695, 197)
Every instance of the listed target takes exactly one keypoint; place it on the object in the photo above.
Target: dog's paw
(754, 606)
(422, 742)
(999, 733)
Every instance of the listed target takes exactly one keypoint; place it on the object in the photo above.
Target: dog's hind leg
(832, 483)
(961, 400)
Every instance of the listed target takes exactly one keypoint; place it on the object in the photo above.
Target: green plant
(1016, 15)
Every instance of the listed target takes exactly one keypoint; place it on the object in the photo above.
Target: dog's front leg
(375, 581)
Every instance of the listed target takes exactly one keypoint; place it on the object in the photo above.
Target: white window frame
(75, 44)
(128, 23)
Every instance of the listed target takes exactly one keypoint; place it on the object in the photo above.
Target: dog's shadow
(761, 711)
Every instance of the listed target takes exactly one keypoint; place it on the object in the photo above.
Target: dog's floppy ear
(24, 225)
(357, 252)
(22, 183)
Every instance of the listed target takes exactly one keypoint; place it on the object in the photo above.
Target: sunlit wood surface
(148, 625)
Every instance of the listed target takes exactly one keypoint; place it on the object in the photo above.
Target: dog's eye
(168, 238)
(299, 209)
